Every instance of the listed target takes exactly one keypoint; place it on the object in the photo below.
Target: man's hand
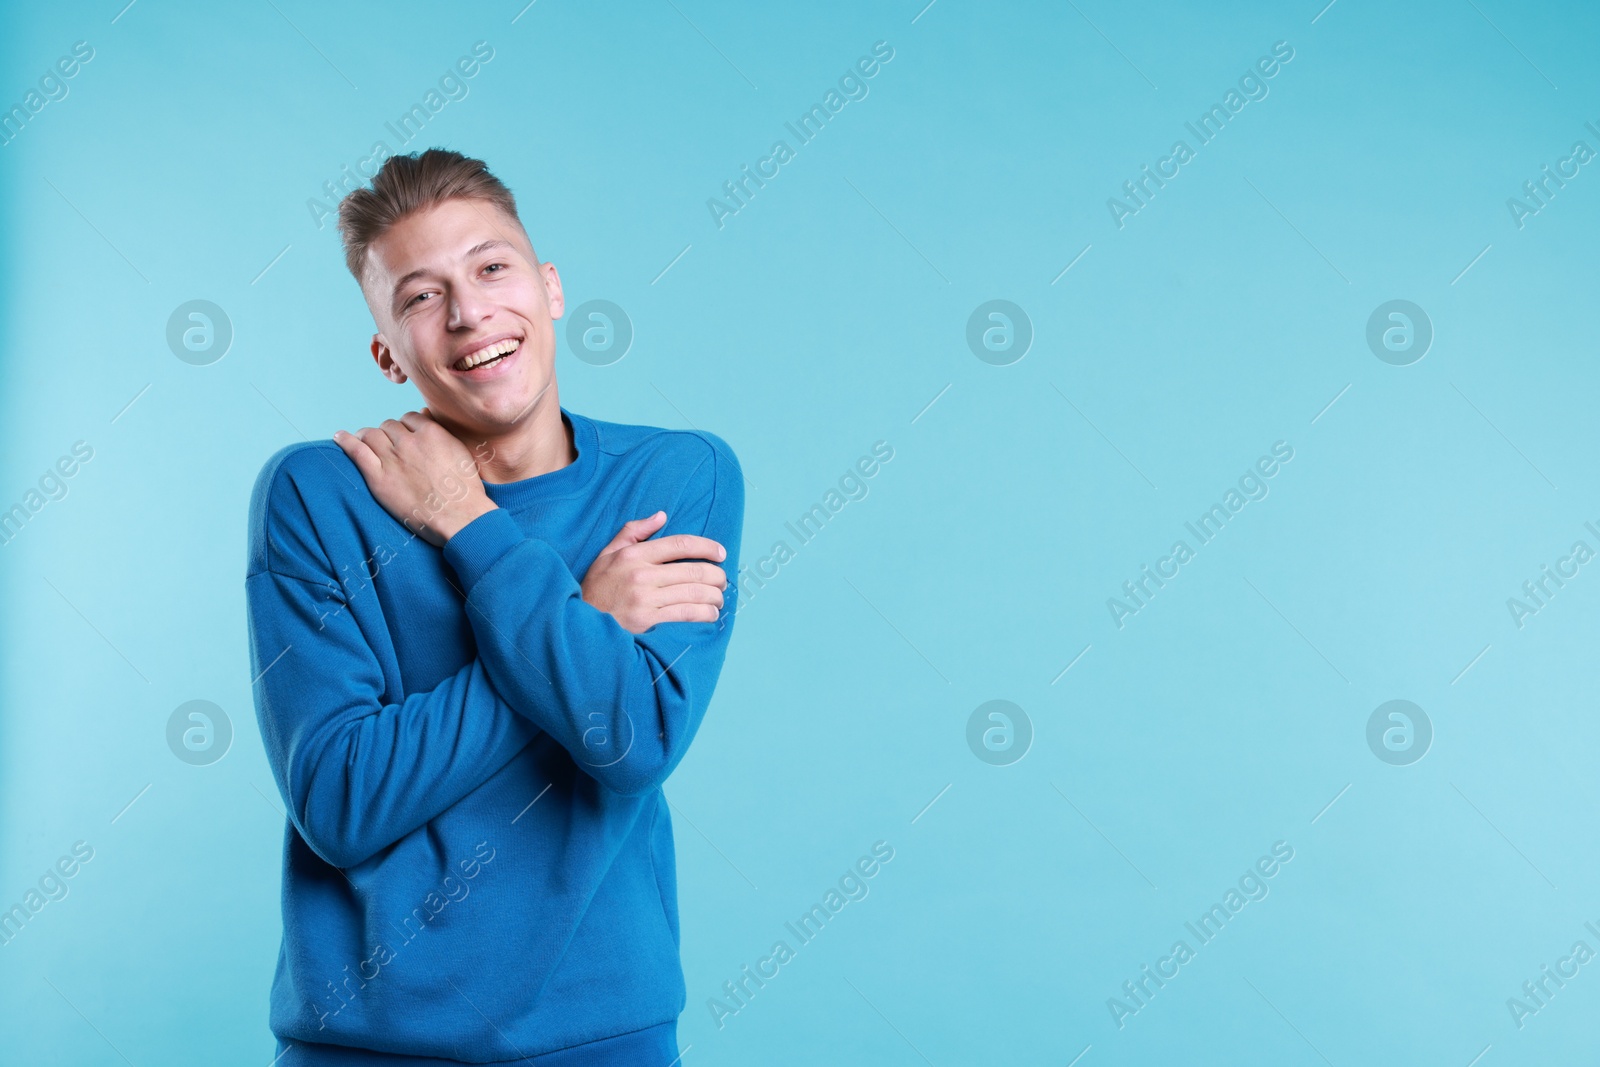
(421, 474)
(634, 581)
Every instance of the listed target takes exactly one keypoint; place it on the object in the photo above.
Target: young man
(475, 666)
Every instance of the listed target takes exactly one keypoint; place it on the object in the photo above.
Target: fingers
(635, 531)
(642, 620)
(685, 613)
(395, 430)
(415, 421)
(382, 439)
(370, 445)
(680, 546)
(689, 593)
(707, 574)
(661, 550)
(360, 452)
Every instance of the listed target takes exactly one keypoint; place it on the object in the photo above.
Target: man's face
(455, 284)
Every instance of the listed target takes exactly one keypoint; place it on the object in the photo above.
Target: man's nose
(467, 309)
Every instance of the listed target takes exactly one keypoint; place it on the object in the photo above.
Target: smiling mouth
(488, 355)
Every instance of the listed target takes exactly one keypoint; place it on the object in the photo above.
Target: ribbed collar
(563, 482)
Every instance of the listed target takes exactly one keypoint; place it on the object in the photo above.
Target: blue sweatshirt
(478, 864)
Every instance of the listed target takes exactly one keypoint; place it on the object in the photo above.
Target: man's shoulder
(696, 468)
(688, 450)
(300, 491)
(307, 471)
(305, 462)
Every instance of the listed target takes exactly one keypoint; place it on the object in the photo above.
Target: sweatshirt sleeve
(356, 771)
(624, 705)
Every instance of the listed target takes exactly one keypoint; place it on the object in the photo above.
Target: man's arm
(624, 705)
(356, 773)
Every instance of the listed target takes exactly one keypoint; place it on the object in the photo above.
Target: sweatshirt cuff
(480, 543)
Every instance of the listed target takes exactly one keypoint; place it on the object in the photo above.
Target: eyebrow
(482, 246)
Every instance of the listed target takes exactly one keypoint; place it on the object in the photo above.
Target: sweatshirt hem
(653, 1046)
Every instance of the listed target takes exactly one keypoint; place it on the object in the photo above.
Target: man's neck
(542, 444)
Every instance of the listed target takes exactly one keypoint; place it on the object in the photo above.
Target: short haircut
(407, 184)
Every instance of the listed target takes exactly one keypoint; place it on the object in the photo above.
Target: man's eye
(414, 299)
(494, 266)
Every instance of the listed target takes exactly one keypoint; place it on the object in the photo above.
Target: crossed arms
(621, 687)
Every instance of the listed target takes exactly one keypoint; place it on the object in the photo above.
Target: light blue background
(822, 318)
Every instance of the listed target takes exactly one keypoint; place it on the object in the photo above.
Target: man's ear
(386, 361)
(552, 289)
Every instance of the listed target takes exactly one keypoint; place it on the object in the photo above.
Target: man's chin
(511, 411)
(492, 418)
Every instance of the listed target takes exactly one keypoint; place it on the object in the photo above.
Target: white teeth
(484, 355)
